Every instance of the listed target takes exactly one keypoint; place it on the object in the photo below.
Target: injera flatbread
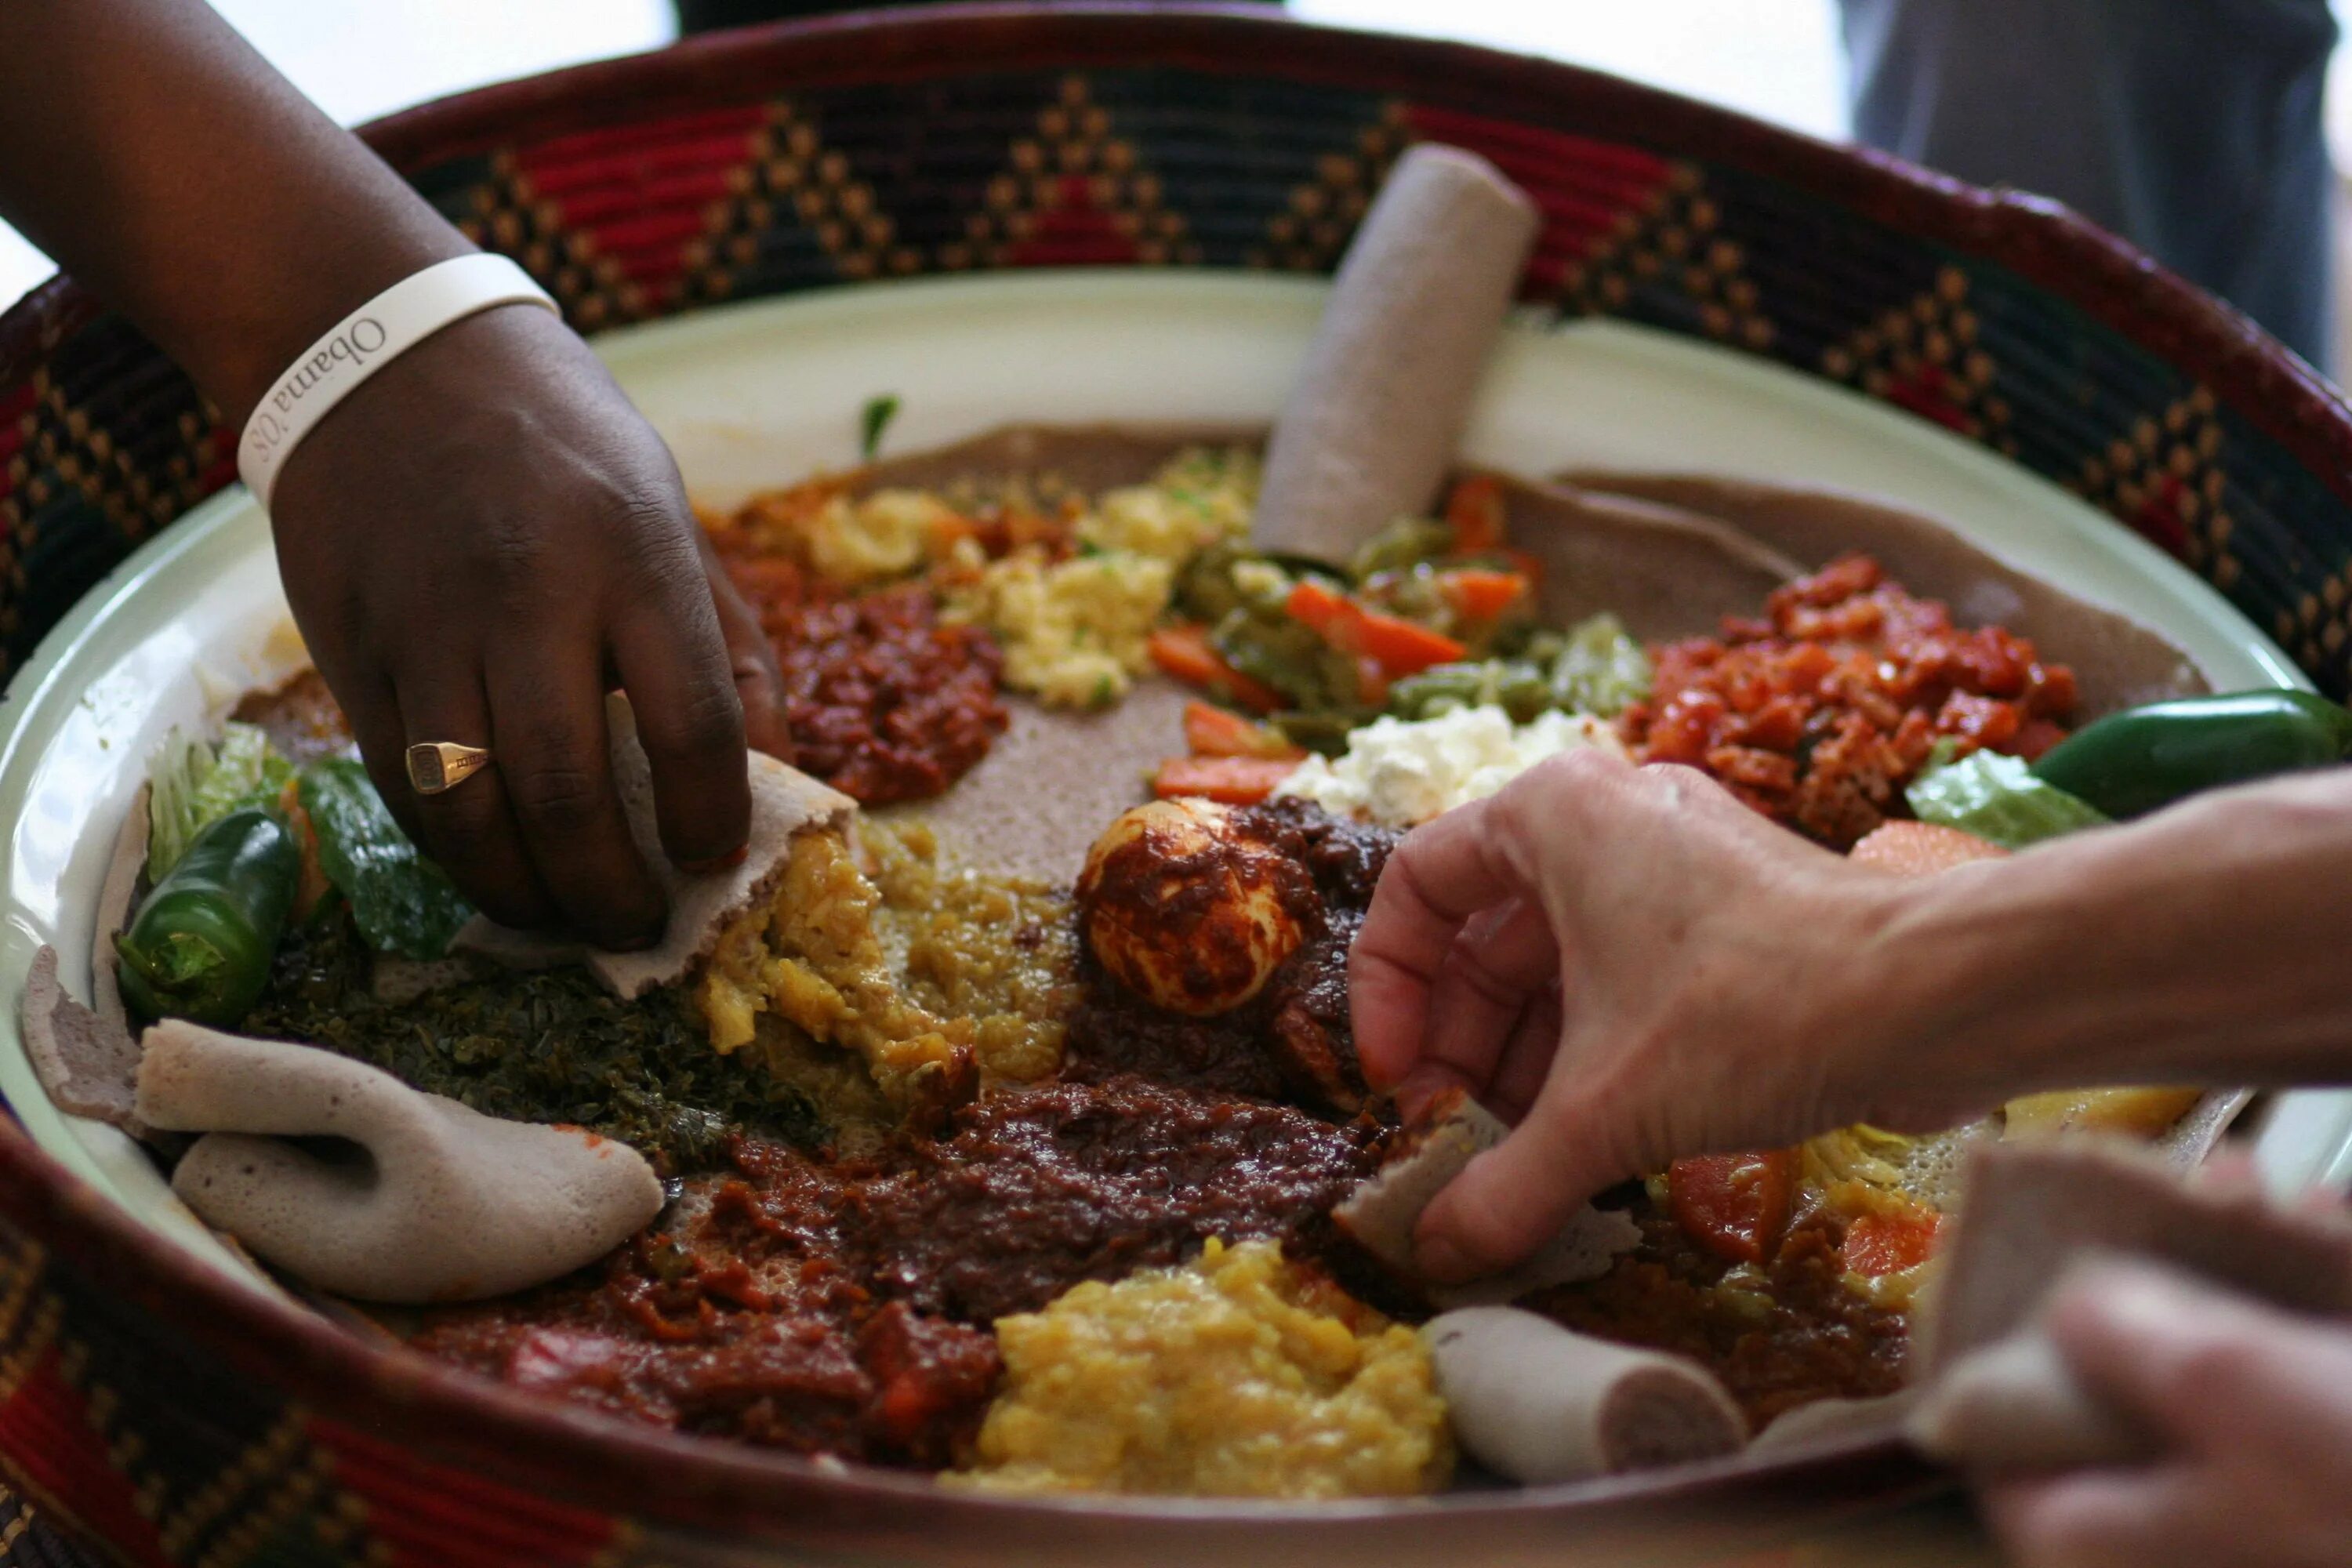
(1372, 425)
(88, 1064)
(1053, 782)
(2117, 662)
(784, 802)
(1539, 1404)
(1057, 778)
(2030, 1209)
(428, 1201)
(1381, 1213)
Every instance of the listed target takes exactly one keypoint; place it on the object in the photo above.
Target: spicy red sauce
(845, 1308)
(1817, 714)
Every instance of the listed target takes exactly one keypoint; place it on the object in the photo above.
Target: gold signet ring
(439, 766)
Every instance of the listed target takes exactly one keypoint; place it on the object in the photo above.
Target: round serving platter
(765, 392)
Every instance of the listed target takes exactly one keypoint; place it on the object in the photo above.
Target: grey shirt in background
(2190, 127)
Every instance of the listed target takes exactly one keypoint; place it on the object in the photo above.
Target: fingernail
(1440, 1260)
(726, 862)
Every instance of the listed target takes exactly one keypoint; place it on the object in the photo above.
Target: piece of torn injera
(1380, 1214)
(1997, 1395)
(785, 800)
(88, 1064)
(436, 1203)
(2118, 661)
(2031, 1209)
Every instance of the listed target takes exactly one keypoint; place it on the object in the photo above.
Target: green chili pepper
(201, 945)
(2129, 763)
(402, 902)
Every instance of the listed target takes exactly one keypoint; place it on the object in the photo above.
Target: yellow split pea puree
(1237, 1374)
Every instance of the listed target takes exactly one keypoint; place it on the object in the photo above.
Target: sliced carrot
(1235, 780)
(1213, 732)
(1401, 647)
(1480, 594)
(1888, 1243)
(1186, 653)
(1314, 603)
(1735, 1206)
(1474, 512)
(1404, 647)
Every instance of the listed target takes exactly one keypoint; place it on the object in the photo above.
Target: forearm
(166, 166)
(2210, 943)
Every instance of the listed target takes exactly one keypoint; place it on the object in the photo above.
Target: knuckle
(561, 795)
(2212, 1374)
(707, 723)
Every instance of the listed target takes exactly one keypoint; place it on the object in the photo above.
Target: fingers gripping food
(1380, 407)
(1382, 1213)
(428, 1202)
(783, 803)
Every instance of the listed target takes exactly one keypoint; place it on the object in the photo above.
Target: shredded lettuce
(194, 784)
(1998, 798)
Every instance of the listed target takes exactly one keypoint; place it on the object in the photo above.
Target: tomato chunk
(1735, 1206)
(1234, 781)
(1890, 1241)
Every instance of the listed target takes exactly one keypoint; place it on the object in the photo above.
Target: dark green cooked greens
(552, 1046)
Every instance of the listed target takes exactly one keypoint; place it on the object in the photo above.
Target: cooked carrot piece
(1888, 1243)
(1186, 653)
(1314, 603)
(1404, 647)
(1480, 594)
(1213, 732)
(1474, 512)
(1234, 781)
(1401, 647)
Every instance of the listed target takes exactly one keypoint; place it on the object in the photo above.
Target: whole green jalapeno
(200, 946)
(2132, 762)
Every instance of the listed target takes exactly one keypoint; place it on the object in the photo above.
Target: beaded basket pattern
(134, 1406)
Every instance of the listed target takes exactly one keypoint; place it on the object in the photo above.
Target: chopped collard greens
(552, 1046)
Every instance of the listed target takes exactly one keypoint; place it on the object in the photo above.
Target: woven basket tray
(183, 1421)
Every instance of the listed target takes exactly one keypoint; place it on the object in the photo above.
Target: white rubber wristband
(363, 342)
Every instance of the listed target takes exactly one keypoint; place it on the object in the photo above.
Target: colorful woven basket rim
(504, 1435)
(2042, 241)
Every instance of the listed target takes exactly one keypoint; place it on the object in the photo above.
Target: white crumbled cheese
(1397, 774)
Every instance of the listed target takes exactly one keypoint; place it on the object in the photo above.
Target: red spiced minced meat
(883, 700)
(1817, 714)
(845, 1308)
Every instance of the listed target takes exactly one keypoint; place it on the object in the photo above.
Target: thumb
(1509, 1201)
